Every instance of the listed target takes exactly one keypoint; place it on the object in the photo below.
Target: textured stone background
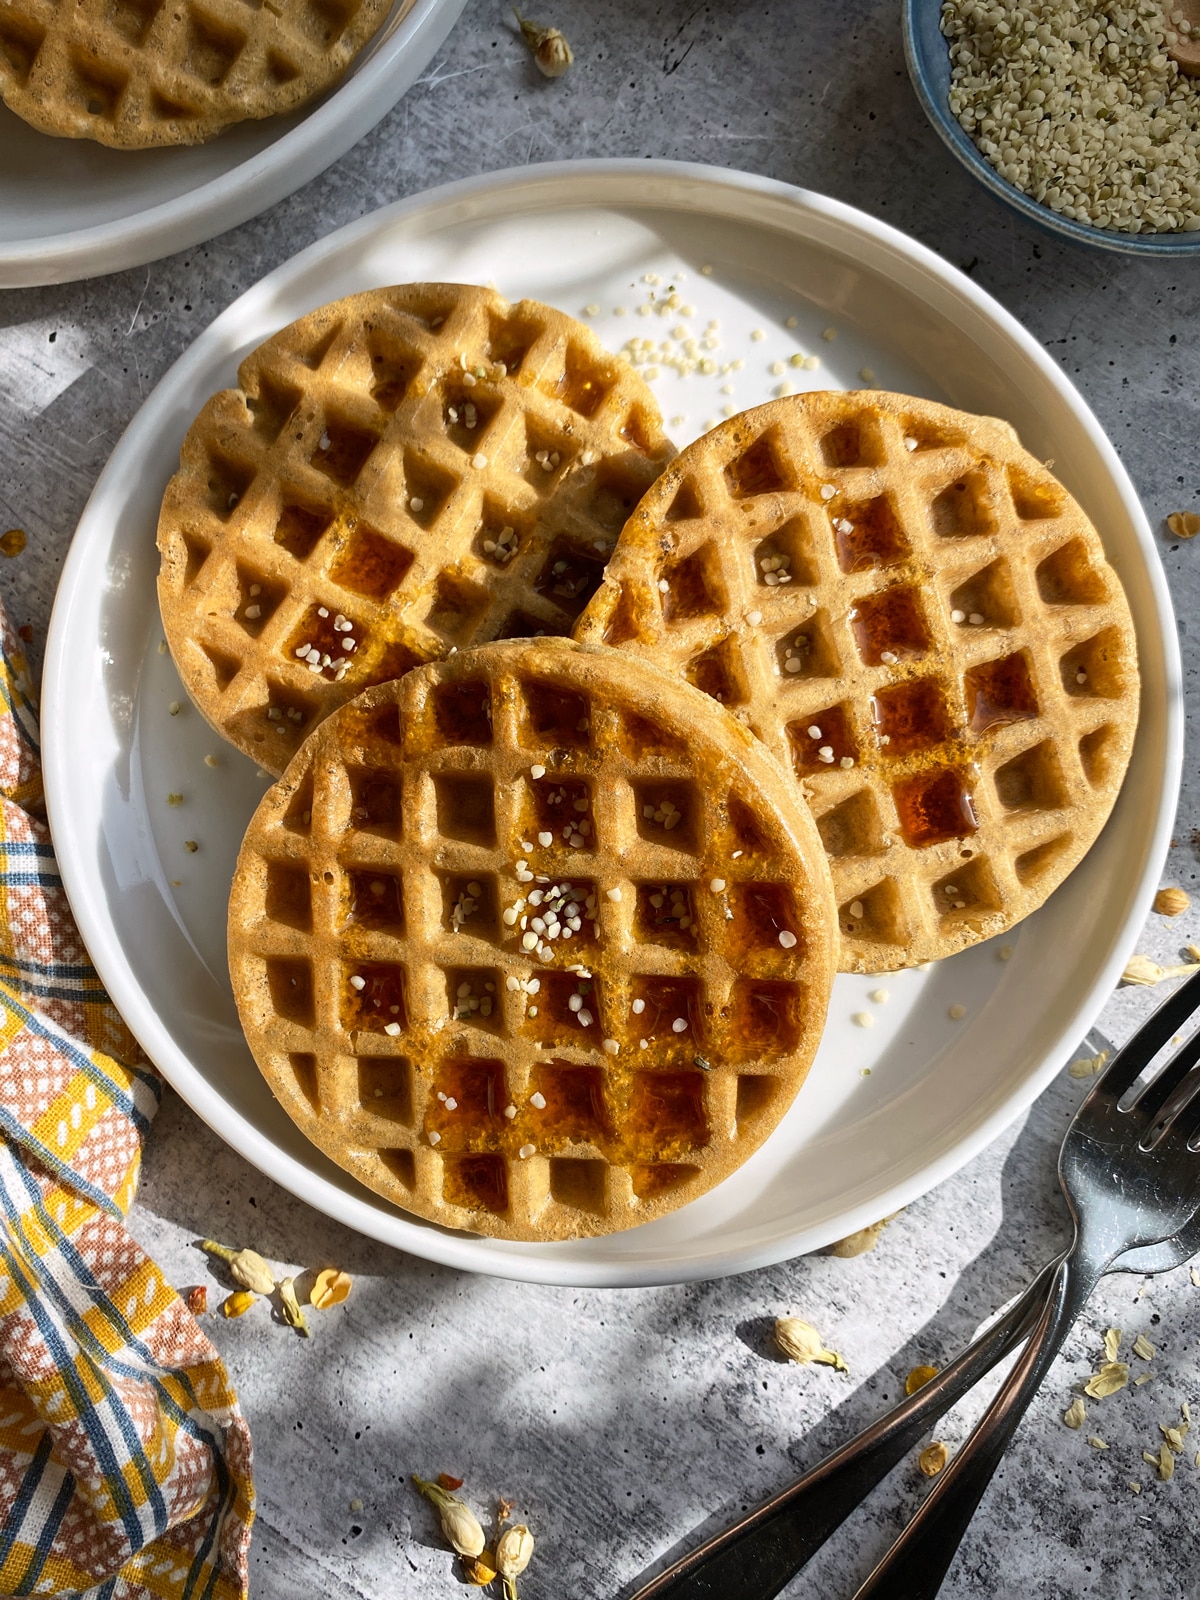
(625, 1423)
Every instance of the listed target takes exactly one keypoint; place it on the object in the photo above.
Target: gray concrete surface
(626, 1423)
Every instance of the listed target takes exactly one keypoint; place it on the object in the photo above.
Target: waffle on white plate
(920, 623)
(535, 942)
(134, 74)
(400, 474)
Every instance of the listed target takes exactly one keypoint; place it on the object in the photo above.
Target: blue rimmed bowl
(928, 57)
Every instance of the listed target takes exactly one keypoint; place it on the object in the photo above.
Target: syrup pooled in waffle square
(920, 622)
(534, 942)
(137, 73)
(399, 475)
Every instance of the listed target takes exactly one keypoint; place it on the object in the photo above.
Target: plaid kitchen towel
(125, 1463)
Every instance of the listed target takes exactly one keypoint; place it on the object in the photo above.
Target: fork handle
(757, 1556)
(916, 1565)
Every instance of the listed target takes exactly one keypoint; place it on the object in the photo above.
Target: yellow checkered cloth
(125, 1463)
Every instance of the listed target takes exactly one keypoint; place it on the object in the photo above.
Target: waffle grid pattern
(947, 666)
(423, 467)
(416, 795)
(139, 73)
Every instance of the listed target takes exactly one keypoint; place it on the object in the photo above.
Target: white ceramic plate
(73, 209)
(603, 235)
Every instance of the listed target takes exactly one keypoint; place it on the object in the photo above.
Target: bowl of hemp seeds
(1073, 112)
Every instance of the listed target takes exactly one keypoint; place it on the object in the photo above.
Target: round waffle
(533, 941)
(920, 622)
(138, 73)
(399, 475)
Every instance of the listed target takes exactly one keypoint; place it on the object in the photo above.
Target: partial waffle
(399, 475)
(534, 942)
(920, 622)
(138, 73)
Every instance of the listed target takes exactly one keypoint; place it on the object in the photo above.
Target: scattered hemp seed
(293, 1312)
(174, 708)
(1144, 973)
(1113, 1375)
(246, 1267)
(918, 1378)
(956, 1013)
(12, 542)
(552, 54)
(190, 846)
(330, 1288)
(174, 799)
(1075, 1414)
(459, 1523)
(1171, 902)
(1184, 524)
(800, 1342)
(211, 761)
(933, 1458)
(238, 1303)
(863, 1019)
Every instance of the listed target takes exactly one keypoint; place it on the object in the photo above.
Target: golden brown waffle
(138, 73)
(401, 990)
(920, 622)
(400, 474)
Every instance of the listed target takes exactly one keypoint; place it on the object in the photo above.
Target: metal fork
(1130, 1171)
(757, 1556)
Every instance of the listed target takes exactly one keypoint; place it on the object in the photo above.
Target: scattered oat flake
(933, 1458)
(1113, 1375)
(1163, 1462)
(1145, 1378)
(1144, 973)
(918, 1378)
(1143, 1348)
(1195, 1271)
(1173, 1436)
(1136, 1487)
(1112, 1343)
(1075, 1413)
(1097, 1443)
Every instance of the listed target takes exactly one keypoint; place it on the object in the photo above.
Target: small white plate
(888, 1110)
(72, 209)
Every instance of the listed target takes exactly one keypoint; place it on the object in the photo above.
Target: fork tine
(1158, 1096)
(1133, 1059)
(1179, 1117)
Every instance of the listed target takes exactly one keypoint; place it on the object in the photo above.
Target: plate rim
(362, 99)
(592, 183)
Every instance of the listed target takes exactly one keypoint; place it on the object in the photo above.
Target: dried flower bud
(246, 1267)
(551, 52)
(801, 1342)
(330, 1288)
(479, 1570)
(238, 1303)
(1171, 902)
(513, 1551)
(197, 1300)
(858, 1243)
(293, 1313)
(459, 1522)
(933, 1458)
(1184, 524)
(1142, 971)
(918, 1378)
